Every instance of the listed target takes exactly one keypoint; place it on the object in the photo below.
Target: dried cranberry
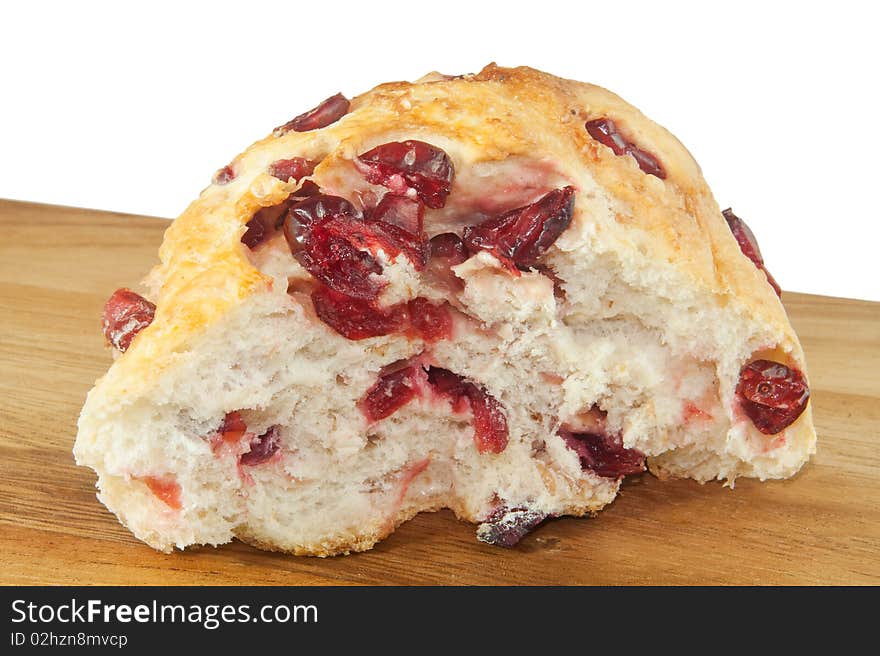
(314, 209)
(448, 246)
(605, 132)
(749, 245)
(505, 528)
(432, 322)
(772, 395)
(306, 189)
(339, 252)
(255, 234)
(230, 432)
(744, 237)
(378, 235)
(232, 425)
(294, 168)
(329, 111)
(445, 250)
(265, 223)
(166, 489)
(125, 315)
(400, 211)
(404, 165)
(490, 422)
(519, 237)
(224, 176)
(604, 454)
(355, 318)
(448, 384)
(390, 393)
(647, 162)
(263, 447)
(318, 230)
(332, 259)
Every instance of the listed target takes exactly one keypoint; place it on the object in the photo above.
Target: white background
(132, 106)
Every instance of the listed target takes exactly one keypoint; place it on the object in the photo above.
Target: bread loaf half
(497, 293)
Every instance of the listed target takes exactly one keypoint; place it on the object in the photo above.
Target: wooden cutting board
(58, 265)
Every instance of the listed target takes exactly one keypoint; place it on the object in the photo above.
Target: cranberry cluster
(406, 381)
(338, 244)
(233, 430)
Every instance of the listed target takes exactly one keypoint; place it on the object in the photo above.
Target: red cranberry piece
(744, 237)
(749, 245)
(295, 168)
(332, 259)
(125, 315)
(772, 395)
(521, 236)
(318, 230)
(603, 454)
(400, 211)
(505, 528)
(265, 222)
(404, 165)
(432, 322)
(224, 176)
(255, 234)
(338, 252)
(356, 318)
(448, 384)
(166, 489)
(329, 111)
(378, 235)
(448, 246)
(445, 250)
(390, 393)
(647, 162)
(233, 425)
(230, 432)
(306, 189)
(263, 447)
(490, 422)
(605, 132)
(314, 209)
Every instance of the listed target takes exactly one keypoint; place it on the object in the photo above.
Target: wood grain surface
(57, 266)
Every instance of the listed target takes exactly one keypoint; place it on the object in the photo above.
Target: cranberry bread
(497, 293)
